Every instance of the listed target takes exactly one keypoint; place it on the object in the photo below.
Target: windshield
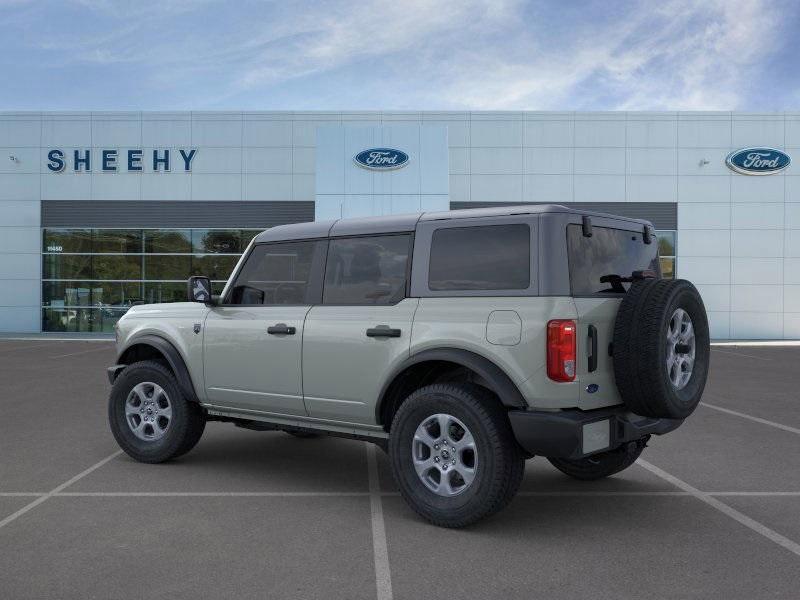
(608, 252)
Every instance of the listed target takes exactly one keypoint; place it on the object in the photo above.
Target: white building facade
(102, 210)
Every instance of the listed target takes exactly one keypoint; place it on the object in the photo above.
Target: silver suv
(461, 342)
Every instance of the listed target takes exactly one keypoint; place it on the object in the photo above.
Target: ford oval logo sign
(758, 161)
(381, 159)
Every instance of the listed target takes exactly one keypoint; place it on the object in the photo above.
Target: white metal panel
(651, 188)
(548, 161)
(704, 215)
(496, 161)
(599, 161)
(217, 187)
(599, 188)
(269, 186)
(652, 161)
(697, 188)
(756, 243)
(758, 271)
(547, 188)
(755, 297)
(600, 133)
(756, 325)
(704, 242)
(661, 133)
(761, 132)
(757, 215)
(704, 134)
(758, 189)
(715, 270)
(544, 133)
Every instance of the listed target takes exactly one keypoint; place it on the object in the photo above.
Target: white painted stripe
(56, 490)
(383, 579)
(41, 338)
(77, 353)
(760, 344)
(752, 418)
(365, 494)
(21, 348)
(212, 494)
(598, 494)
(734, 514)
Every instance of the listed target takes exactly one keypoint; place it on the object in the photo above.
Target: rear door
(362, 329)
(613, 248)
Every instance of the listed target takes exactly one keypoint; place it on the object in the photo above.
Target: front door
(253, 341)
(362, 329)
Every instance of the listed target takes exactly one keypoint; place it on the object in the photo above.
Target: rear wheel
(603, 464)
(149, 416)
(453, 454)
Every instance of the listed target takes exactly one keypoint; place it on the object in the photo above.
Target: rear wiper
(616, 281)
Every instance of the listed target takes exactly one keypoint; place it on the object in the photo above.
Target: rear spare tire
(661, 348)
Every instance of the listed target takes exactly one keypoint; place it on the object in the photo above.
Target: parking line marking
(212, 494)
(599, 494)
(742, 354)
(383, 578)
(56, 490)
(77, 353)
(734, 514)
(17, 349)
(755, 494)
(752, 418)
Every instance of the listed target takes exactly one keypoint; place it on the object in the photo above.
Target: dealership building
(101, 210)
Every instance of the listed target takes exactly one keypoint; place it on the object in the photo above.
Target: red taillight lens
(561, 350)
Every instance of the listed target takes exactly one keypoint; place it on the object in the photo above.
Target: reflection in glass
(68, 266)
(666, 243)
(156, 292)
(123, 241)
(96, 320)
(167, 267)
(117, 267)
(67, 240)
(214, 266)
(168, 241)
(667, 267)
(224, 241)
(90, 293)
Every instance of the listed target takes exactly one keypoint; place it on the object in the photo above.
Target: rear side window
(276, 274)
(367, 270)
(488, 257)
(607, 252)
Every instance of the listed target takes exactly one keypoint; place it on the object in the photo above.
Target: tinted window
(276, 274)
(366, 270)
(607, 252)
(493, 257)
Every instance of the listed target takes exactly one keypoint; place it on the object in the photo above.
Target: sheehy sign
(111, 161)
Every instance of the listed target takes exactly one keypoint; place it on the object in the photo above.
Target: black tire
(498, 472)
(640, 348)
(185, 427)
(603, 464)
(305, 435)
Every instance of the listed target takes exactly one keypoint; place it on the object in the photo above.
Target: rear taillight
(561, 350)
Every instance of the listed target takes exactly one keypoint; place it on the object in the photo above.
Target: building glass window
(91, 277)
(666, 253)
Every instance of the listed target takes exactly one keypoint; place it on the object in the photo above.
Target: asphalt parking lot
(710, 511)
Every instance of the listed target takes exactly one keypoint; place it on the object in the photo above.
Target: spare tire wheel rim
(681, 347)
(444, 455)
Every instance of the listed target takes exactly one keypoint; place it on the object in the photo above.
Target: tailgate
(595, 369)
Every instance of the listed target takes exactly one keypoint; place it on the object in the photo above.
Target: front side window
(608, 252)
(367, 270)
(486, 257)
(276, 274)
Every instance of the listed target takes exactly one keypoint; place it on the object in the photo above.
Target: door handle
(592, 348)
(383, 331)
(281, 329)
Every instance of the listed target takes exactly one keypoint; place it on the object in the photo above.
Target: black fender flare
(499, 382)
(173, 358)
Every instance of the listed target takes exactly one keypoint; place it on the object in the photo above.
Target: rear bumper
(574, 434)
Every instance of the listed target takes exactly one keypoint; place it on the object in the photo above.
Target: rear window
(489, 257)
(607, 252)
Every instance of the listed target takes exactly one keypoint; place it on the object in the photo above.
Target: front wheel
(603, 464)
(453, 454)
(149, 416)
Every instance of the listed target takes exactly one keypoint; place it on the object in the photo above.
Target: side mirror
(199, 290)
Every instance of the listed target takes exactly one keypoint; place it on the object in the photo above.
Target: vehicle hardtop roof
(408, 222)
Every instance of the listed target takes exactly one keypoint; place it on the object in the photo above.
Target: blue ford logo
(381, 159)
(758, 161)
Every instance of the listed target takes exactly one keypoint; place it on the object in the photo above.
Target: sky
(400, 55)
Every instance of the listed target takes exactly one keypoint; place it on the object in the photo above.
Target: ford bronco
(462, 342)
